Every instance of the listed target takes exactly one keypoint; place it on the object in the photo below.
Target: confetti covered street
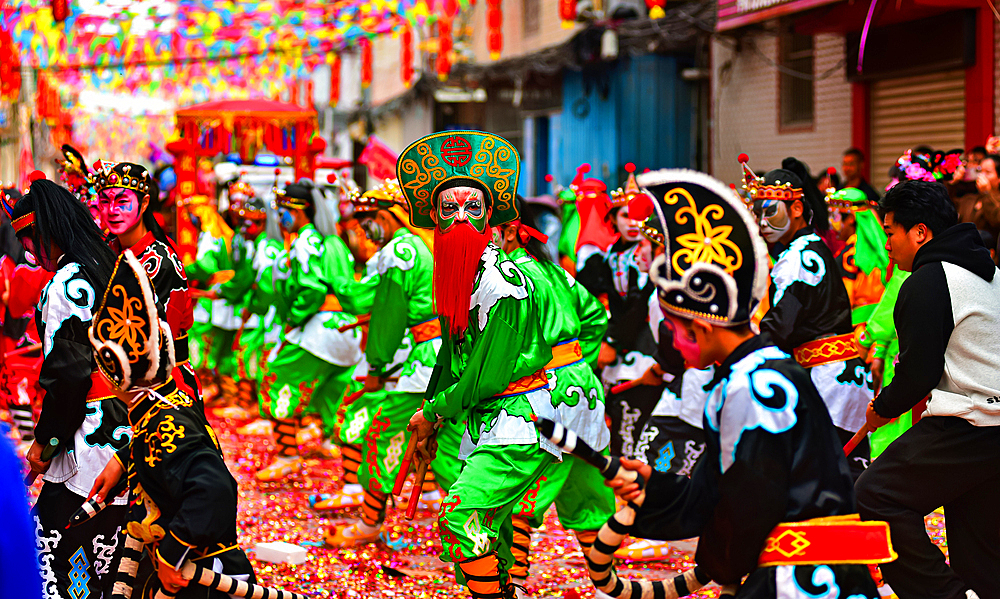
(408, 565)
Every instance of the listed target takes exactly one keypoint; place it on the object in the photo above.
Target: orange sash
(564, 354)
(331, 304)
(526, 384)
(425, 331)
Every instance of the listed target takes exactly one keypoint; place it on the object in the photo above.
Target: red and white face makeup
(120, 209)
(461, 204)
(628, 228)
(684, 340)
(36, 256)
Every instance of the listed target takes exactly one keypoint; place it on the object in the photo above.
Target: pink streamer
(864, 33)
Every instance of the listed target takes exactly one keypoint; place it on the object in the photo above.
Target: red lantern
(567, 12)
(443, 63)
(450, 8)
(366, 63)
(60, 10)
(334, 79)
(656, 8)
(10, 68)
(406, 55)
(494, 22)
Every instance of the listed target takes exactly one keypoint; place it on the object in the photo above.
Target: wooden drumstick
(418, 485)
(404, 466)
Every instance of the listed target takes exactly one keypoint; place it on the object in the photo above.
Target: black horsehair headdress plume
(61, 219)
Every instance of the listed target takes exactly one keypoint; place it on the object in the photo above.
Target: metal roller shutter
(913, 111)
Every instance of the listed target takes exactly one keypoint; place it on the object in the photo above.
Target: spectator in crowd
(975, 157)
(983, 209)
(947, 318)
(853, 168)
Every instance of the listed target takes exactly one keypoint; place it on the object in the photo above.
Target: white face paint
(773, 218)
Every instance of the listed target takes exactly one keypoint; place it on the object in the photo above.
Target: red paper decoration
(10, 68)
(335, 80)
(494, 23)
(443, 62)
(406, 55)
(450, 8)
(60, 10)
(567, 12)
(366, 63)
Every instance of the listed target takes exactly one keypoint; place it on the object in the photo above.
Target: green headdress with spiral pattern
(441, 160)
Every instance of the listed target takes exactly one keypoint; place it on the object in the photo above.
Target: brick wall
(744, 108)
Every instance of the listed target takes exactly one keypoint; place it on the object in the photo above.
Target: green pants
(296, 379)
(475, 518)
(582, 500)
(445, 464)
(357, 417)
(386, 438)
(213, 350)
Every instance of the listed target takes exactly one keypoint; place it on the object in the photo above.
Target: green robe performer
(403, 325)
(491, 367)
(574, 324)
(248, 217)
(315, 360)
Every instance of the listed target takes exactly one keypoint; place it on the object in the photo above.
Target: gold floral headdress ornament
(134, 347)
(714, 265)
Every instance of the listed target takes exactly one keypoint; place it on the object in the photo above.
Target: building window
(797, 108)
(531, 11)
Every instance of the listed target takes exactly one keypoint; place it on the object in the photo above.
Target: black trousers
(79, 562)
(941, 461)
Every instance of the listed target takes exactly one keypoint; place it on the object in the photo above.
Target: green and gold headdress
(440, 160)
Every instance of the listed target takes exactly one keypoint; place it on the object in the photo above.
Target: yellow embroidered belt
(525, 384)
(331, 304)
(564, 354)
(425, 331)
(832, 540)
(826, 350)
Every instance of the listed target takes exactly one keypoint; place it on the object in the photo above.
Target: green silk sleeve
(304, 292)
(490, 367)
(385, 333)
(881, 329)
(235, 290)
(207, 261)
(357, 297)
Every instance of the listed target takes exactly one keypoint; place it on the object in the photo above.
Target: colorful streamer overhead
(197, 50)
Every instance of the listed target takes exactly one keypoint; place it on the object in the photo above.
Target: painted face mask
(373, 230)
(684, 342)
(33, 257)
(120, 209)
(286, 219)
(772, 215)
(461, 204)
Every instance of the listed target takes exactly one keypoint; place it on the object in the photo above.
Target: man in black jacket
(948, 321)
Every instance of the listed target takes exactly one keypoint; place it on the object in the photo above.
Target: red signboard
(737, 13)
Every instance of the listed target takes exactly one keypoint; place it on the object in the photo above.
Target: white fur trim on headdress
(119, 353)
(149, 299)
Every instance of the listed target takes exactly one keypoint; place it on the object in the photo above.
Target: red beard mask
(456, 260)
